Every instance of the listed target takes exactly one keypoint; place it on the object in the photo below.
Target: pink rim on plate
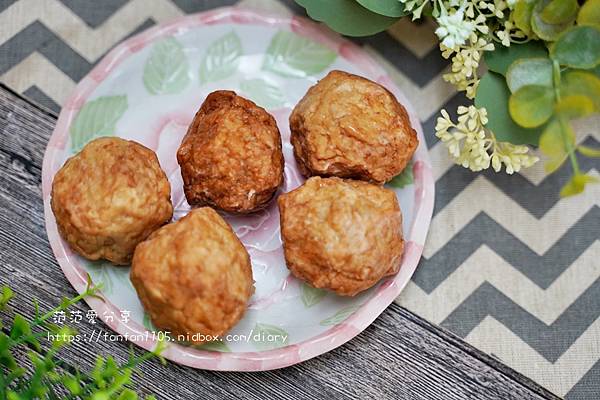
(389, 289)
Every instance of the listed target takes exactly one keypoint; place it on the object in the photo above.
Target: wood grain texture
(399, 356)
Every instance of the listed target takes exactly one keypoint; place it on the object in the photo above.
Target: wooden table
(400, 356)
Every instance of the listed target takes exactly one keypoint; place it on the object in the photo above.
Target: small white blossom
(465, 62)
(415, 7)
(453, 29)
(474, 147)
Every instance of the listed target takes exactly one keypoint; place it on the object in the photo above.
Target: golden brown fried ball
(231, 156)
(341, 235)
(351, 127)
(109, 197)
(193, 276)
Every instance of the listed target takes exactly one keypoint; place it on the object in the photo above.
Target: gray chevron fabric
(508, 265)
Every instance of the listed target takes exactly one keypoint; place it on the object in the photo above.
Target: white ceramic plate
(147, 89)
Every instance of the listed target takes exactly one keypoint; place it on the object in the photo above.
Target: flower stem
(564, 128)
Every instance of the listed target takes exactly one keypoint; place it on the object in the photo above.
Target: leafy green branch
(47, 376)
(549, 98)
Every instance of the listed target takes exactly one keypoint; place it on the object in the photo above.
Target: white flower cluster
(465, 62)
(466, 29)
(464, 32)
(453, 29)
(476, 148)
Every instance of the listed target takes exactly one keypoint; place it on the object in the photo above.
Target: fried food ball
(341, 235)
(231, 156)
(351, 127)
(109, 197)
(193, 276)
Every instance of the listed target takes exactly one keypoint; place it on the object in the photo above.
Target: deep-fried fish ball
(231, 156)
(351, 127)
(193, 276)
(341, 235)
(109, 197)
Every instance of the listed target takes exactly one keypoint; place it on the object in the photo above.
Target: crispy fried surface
(231, 156)
(194, 275)
(109, 197)
(341, 235)
(351, 127)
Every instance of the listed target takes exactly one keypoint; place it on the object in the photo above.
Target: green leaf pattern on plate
(311, 295)
(340, 316)
(96, 118)
(403, 179)
(290, 55)
(221, 59)
(217, 345)
(105, 273)
(148, 323)
(268, 337)
(166, 70)
(262, 93)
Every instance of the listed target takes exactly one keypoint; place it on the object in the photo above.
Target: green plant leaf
(72, 384)
(403, 179)
(548, 32)
(97, 118)
(216, 345)
(4, 341)
(128, 394)
(579, 47)
(531, 105)
(529, 71)
(340, 316)
(581, 83)
(493, 94)
(560, 11)
(166, 69)
(577, 184)
(262, 93)
(347, 17)
(311, 295)
(589, 13)
(6, 296)
(522, 16)
(553, 145)
(6, 357)
(20, 327)
(589, 151)
(294, 56)
(502, 57)
(389, 8)
(221, 59)
(62, 336)
(575, 106)
(268, 337)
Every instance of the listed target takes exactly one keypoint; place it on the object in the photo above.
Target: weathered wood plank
(399, 356)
